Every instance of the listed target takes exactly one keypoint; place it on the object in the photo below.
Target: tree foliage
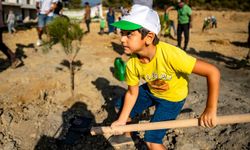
(117, 3)
(75, 4)
(62, 31)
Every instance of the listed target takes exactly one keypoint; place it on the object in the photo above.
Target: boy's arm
(129, 102)
(208, 117)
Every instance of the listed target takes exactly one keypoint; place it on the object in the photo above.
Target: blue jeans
(43, 20)
(11, 27)
(164, 110)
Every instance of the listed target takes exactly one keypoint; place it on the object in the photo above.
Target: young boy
(164, 68)
(102, 25)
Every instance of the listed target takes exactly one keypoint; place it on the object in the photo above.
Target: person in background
(110, 19)
(45, 9)
(168, 23)
(165, 69)
(59, 8)
(184, 22)
(58, 12)
(214, 22)
(102, 25)
(11, 22)
(14, 61)
(87, 17)
(124, 11)
(206, 23)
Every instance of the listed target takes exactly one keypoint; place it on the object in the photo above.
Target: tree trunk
(72, 77)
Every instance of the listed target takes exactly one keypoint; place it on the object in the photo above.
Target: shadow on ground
(65, 63)
(110, 93)
(230, 62)
(20, 54)
(74, 132)
(117, 48)
(73, 68)
(240, 44)
(4, 64)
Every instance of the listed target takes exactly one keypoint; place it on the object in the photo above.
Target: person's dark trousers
(214, 25)
(183, 28)
(10, 55)
(87, 24)
(248, 35)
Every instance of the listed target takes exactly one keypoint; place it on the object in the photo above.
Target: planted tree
(75, 4)
(69, 35)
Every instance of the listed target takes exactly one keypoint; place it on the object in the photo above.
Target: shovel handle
(230, 119)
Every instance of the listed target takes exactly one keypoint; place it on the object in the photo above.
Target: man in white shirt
(45, 9)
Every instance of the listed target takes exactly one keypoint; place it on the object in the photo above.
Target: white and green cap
(140, 16)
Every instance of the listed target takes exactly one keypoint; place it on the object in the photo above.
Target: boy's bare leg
(155, 146)
(40, 32)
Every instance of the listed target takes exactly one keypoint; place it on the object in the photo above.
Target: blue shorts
(43, 20)
(164, 110)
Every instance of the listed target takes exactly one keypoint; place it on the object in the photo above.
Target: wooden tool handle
(168, 124)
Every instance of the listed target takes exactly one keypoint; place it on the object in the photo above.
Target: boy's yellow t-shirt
(170, 64)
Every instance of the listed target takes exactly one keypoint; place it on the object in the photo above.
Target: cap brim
(126, 25)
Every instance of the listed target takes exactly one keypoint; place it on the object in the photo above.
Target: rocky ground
(36, 104)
